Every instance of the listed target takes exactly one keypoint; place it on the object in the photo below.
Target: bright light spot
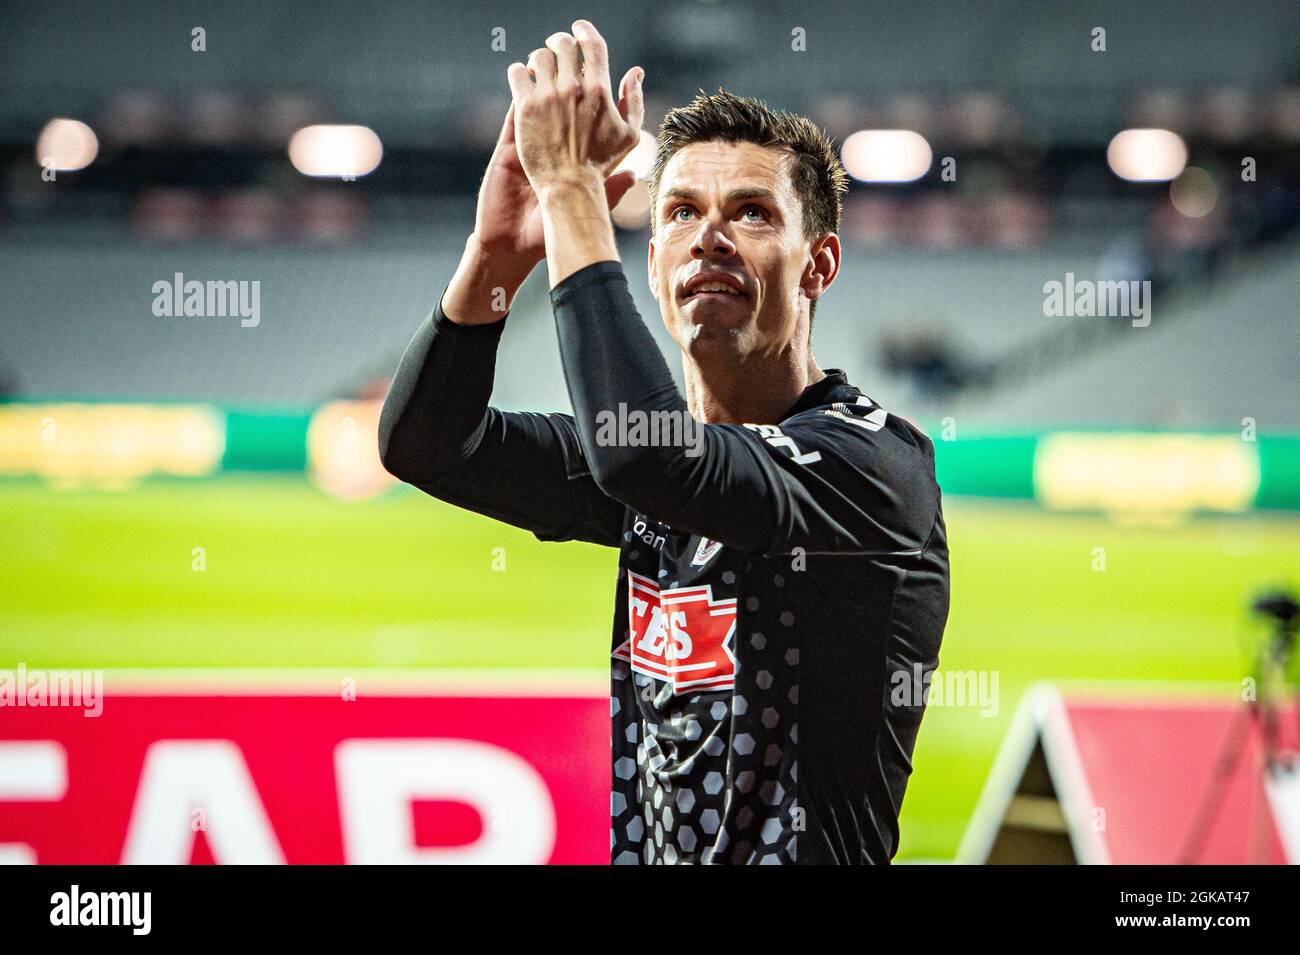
(343, 450)
(335, 150)
(1145, 474)
(1194, 193)
(1147, 155)
(633, 210)
(66, 145)
(886, 155)
(641, 160)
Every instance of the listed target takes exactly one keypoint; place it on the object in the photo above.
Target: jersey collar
(820, 393)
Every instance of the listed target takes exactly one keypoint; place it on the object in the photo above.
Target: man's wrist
(575, 185)
(576, 220)
(507, 270)
(484, 285)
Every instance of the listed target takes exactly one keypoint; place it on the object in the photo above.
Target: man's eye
(758, 211)
(677, 213)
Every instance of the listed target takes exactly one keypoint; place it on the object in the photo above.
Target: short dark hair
(816, 172)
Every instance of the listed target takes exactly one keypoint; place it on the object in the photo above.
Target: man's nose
(711, 241)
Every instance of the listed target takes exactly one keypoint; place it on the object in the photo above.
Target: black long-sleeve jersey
(782, 587)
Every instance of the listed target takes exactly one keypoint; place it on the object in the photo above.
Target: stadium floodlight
(1147, 155)
(886, 155)
(330, 150)
(66, 145)
(641, 160)
(1194, 193)
(633, 210)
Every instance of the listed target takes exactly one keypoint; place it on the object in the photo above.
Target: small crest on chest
(705, 551)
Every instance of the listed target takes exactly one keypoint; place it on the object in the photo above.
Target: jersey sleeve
(438, 433)
(835, 479)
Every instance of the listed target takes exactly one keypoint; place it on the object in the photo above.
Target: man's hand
(571, 134)
(508, 240)
(567, 123)
(507, 223)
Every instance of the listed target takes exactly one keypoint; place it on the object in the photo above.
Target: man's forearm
(609, 355)
(438, 397)
(610, 358)
(575, 219)
(440, 391)
(712, 482)
(483, 287)
(611, 361)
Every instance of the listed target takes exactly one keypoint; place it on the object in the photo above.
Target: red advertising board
(1153, 766)
(250, 768)
(1153, 779)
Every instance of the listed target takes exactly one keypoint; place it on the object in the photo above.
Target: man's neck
(758, 391)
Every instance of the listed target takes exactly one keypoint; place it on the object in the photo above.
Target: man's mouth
(706, 286)
(713, 287)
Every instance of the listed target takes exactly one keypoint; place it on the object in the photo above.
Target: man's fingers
(595, 56)
(507, 137)
(617, 185)
(631, 97)
(568, 71)
(521, 84)
(541, 63)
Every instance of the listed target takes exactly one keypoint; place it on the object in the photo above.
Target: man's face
(727, 215)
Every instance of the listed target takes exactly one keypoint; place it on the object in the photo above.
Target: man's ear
(823, 266)
(652, 270)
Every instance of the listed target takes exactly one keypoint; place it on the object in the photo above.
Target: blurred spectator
(923, 353)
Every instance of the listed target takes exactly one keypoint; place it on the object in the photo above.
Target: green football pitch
(292, 578)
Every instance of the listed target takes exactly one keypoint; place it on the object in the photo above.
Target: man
(783, 568)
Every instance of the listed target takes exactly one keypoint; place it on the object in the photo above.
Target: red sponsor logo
(681, 635)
